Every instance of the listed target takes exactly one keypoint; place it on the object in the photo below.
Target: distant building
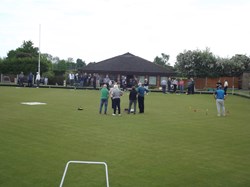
(132, 67)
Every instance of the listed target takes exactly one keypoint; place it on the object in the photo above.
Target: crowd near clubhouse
(137, 88)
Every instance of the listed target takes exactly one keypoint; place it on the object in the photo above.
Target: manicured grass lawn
(179, 141)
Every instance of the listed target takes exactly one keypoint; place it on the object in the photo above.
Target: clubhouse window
(152, 80)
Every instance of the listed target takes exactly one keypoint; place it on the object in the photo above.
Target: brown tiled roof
(127, 63)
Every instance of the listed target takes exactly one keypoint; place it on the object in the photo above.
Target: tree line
(203, 63)
(25, 59)
(196, 63)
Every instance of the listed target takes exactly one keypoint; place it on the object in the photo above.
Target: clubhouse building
(130, 67)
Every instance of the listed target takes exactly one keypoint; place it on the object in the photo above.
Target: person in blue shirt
(141, 92)
(220, 97)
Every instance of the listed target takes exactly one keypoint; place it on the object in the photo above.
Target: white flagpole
(39, 55)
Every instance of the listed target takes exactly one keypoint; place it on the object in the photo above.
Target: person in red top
(181, 85)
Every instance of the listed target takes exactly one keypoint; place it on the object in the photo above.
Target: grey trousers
(220, 107)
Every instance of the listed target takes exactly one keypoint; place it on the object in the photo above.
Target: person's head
(104, 86)
(115, 86)
(133, 88)
(139, 84)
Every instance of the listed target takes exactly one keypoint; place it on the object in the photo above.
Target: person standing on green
(104, 99)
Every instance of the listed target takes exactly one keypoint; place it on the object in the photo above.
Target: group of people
(138, 94)
(171, 84)
(225, 85)
(135, 95)
(30, 80)
(84, 79)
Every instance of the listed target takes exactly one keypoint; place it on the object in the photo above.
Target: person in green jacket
(104, 99)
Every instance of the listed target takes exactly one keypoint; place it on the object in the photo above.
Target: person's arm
(214, 95)
(225, 96)
(121, 93)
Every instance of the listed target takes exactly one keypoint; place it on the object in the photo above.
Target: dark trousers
(225, 90)
(169, 88)
(175, 87)
(130, 105)
(141, 104)
(112, 103)
(117, 102)
(29, 83)
(164, 89)
(37, 83)
(189, 89)
(192, 89)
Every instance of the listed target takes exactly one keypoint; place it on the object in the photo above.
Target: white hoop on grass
(85, 162)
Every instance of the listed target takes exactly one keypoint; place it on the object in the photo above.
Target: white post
(233, 86)
(39, 48)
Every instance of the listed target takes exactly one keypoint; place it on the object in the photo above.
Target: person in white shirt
(116, 95)
(38, 77)
(164, 85)
(225, 86)
(71, 79)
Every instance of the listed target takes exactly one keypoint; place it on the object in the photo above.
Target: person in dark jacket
(169, 84)
(30, 79)
(141, 92)
(132, 100)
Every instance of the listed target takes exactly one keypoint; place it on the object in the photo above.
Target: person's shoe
(113, 114)
(218, 115)
(119, 114)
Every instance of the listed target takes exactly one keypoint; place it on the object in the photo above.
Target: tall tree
(1, 65)
(80, 63)
(204, 63)
(185, 63)
(196, 63)
(26, 50)
(163, 60)
(25, 59)
(234, 66)
(242, 62)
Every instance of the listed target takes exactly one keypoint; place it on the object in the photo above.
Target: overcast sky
(95, 30)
